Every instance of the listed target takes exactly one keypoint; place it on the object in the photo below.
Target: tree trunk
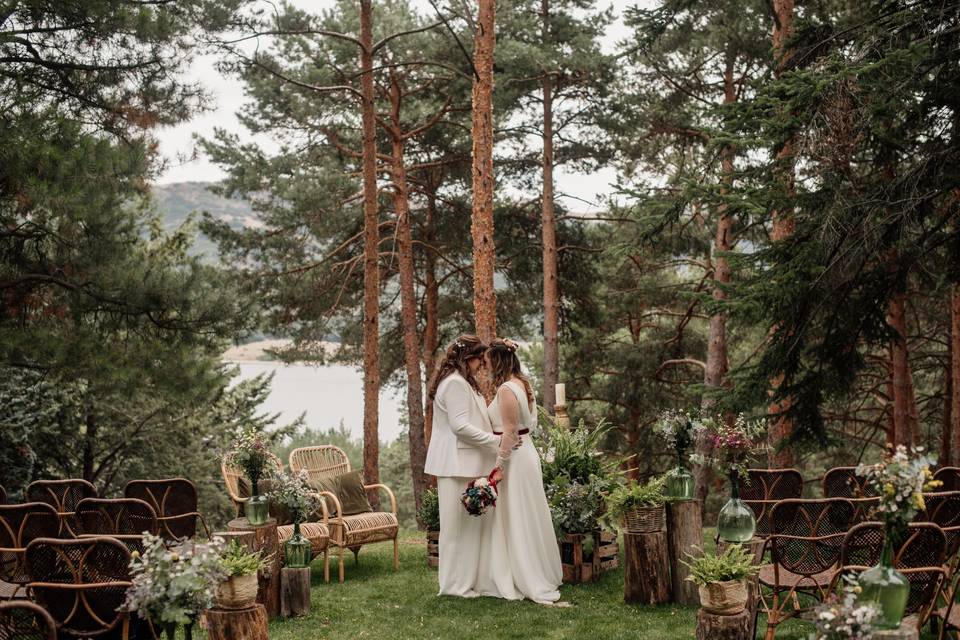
(408, 305)
(294, 592)
(711, 626)
(371, 267)
(955, 377)
(551, 295)
(431, 308)
(484, 296)
(715, 372)
(684, 538)
(647, 570)
(905, 422)
(237, 624)
(784, 224)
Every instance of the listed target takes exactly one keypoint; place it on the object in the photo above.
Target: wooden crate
(581, 563)
(433, 549)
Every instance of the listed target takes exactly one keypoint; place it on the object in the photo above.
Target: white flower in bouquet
(480, 483)
(900, 481)
(845, 619)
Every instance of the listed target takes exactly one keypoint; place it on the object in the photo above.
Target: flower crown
(510, 344)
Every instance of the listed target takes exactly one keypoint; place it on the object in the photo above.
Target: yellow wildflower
(889, 490)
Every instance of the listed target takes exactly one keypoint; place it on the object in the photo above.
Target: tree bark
(481, 228)
(371, 267)
(237, 624)
(711, 626)
(905, 419)
(781, 426)
(684, 538)
(551, 294)
(294, 592)
(647, 571)
(431, 334)
(955, 376)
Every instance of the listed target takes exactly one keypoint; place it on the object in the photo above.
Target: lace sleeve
(510, 417)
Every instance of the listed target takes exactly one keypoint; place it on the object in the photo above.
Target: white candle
(561, 393)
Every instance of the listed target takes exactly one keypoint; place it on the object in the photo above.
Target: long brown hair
(504, 363)
(464, 348)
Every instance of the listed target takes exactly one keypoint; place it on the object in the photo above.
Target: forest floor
(376, 602)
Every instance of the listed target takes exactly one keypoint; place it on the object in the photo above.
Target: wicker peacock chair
(950, 477)
(804, 545)
(175, 502)
(763, 488)
(125, 519)
(62, 495)
(348, 531)
(25, 621)
(843, 482)
(19, 525)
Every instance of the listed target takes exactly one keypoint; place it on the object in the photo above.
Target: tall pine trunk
(551, 295)
(371, 267)
(431, 334)
(955, 377)
(481, 228)
(717, 365)
(781, 426)
(905, 419)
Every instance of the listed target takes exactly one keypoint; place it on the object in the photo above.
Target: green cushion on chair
(327, 483)
(352, 495)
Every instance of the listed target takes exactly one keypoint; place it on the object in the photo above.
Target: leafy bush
(237, 560)
(735, 563)
(627, 497)
(429, 512)
(576, 507)
(574, 454)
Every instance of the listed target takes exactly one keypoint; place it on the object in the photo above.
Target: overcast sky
(186, 162)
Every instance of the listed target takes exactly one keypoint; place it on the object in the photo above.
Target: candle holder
(560, 416)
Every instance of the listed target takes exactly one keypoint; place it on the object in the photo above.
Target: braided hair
(505, 364)
(464, 348)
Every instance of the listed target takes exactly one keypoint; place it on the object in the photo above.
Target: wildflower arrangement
(294, 492)
(249, 452)
(845, 619)
(679, 429)
(731, 447)
(899, 481)
(172, 586)
(577, 507)
(480, 495)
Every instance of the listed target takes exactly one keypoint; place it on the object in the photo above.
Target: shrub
(429, 512)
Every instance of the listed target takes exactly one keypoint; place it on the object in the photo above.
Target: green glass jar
(886, 587)
(736, 522)
(679, 485)
(257, 508)
(297, 550)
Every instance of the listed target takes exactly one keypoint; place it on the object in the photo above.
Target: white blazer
(462, 444)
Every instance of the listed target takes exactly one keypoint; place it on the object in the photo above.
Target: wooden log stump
(907, 631)
(294, 592)
(266, 541)
(684, 536)
(711, 626)
(245, 538)
(755, 547)
(433, 549)
(237, 624)
(647, 573)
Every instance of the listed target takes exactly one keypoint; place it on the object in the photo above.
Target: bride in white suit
(462, 448)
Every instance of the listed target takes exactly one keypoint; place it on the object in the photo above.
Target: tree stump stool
(907, 631)
(711, 626)
(237, 624)
(684, 537)
(647, 572)
(294, 592)
(755, 547)
(266, 541)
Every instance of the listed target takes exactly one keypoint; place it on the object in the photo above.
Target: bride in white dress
(522, 557)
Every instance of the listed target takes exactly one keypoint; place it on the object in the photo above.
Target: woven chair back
(843, 482)
(231, 474)
(943, 510)
(3, 495)
(25, 621)
(125, 519)
(82, 583)
(919, 557)
(320, 462)
(173, 499)
(950, 477)
(62, 495)
(19, 525)
(764, 487)
(806, 535)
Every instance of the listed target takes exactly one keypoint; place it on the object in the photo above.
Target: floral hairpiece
(510, 344)
(458, 344)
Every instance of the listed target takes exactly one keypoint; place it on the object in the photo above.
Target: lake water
(328, 394)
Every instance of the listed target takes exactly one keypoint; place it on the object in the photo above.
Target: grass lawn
(376, 602)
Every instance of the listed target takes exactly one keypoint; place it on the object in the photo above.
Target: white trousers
(462, 540)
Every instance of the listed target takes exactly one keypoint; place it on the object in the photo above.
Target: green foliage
(735, 563)
(627, 497)
(577, 506)
(236, 560)
(573, 454)
(429, 511)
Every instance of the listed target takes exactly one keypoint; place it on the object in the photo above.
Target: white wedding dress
(521, 558)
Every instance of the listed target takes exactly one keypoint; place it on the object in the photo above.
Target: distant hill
(178, 200)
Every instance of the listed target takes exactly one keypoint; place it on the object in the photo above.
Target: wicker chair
(25, 621)
(950, 477)
(763, 488)
(317, 532)
(19, 525)
(125, 519)
(62, 495)
(354, 531)
(920, 558)
(81, 583)
(3, 495)
(843, 482)
(175, 502)
(804, 544)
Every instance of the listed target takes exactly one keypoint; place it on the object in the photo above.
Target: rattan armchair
(843, 482)
(317, 532)
(804, 544)
(353, 531)
(175, 502)
(950, 477)
(82, 584)
(19, 525)
(3, 495)
(62, 495)
(125, 519)
(25, 621)
(919, 557)
(763, 488)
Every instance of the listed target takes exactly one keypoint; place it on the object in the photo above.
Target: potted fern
(722, 579)
(639, 507)
(238, 590)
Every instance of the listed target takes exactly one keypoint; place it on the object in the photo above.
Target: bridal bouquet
(481, 494)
